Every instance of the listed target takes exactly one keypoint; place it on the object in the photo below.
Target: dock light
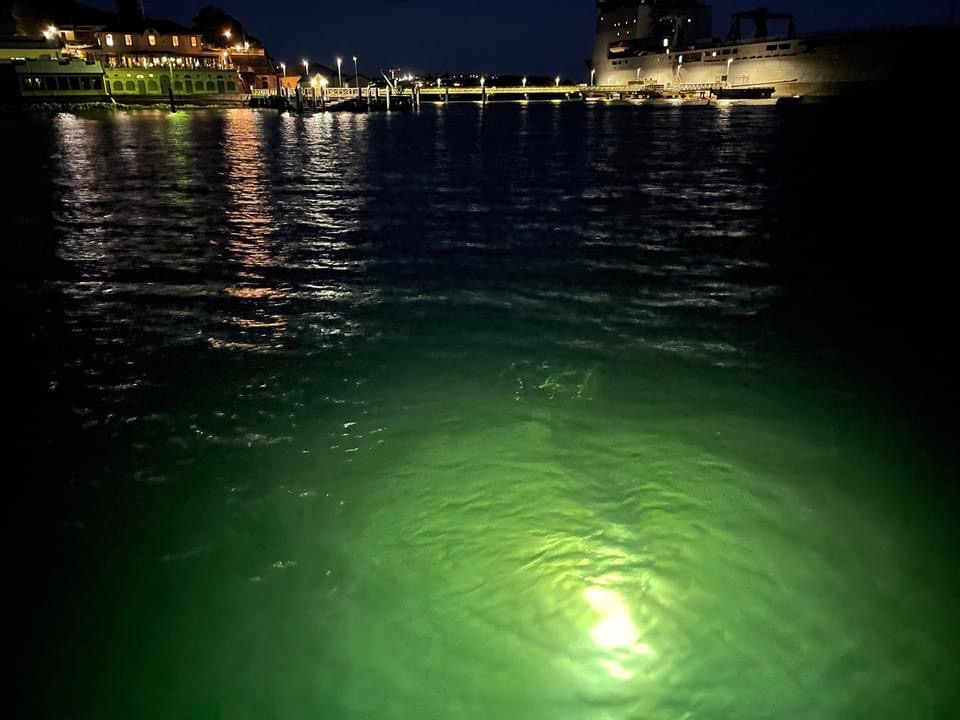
(283, 67)
(483, 82)
(558, 81)
(593, 75)
(356, 71)
(306, 66)
(524, 82)
(339, 73)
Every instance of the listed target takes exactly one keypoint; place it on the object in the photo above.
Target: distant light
(483, 81)
(50, 31)
(524, 82)
(227, 34)
(666, 42)
(558, 81)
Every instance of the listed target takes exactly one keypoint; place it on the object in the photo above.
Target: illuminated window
(152, 39)
(193, 41)
(176, 41)
(128, 39)
(109, 40)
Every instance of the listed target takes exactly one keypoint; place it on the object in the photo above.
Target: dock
(327, 99)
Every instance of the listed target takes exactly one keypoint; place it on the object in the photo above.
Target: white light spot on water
(615, 631)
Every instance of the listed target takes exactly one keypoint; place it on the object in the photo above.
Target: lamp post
(356, 72)
(593, 75)
(306, 66)
(524, 82)
(339, 73)
(283, 67)
(558, 81)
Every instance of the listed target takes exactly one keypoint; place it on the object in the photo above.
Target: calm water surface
(517, 412)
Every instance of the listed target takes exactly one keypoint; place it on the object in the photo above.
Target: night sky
(520, 36)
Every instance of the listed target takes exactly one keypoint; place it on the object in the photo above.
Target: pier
(380, 98)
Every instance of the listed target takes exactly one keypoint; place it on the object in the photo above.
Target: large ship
(668, 46)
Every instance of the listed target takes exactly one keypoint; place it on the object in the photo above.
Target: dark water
(517, 412)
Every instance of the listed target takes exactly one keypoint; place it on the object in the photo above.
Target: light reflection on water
(477, 412)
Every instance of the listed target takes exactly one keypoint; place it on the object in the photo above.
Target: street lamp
(356, 72)
(226, 34)
(593, 75)
(306, 66)
(524, 82)
(283, 67)
(483, 82)
(340, 74)
(558, 81)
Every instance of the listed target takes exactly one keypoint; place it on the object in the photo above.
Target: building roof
(58, 67)
(28, 42)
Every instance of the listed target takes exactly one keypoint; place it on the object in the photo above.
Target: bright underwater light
(615, 631)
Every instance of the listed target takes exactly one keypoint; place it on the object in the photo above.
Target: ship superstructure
(668, 46)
